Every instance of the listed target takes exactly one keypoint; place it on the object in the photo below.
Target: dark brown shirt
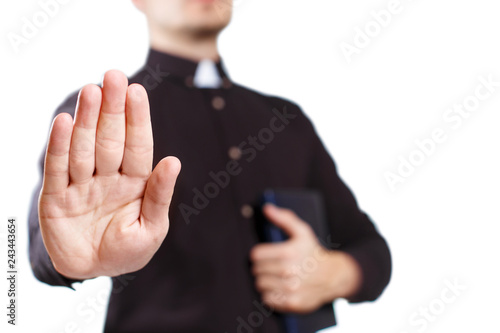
(233, 143)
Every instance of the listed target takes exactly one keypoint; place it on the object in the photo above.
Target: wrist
(343, 276)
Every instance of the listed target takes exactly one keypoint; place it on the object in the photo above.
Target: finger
(138, 155)
(56, 176)
(274, 299)
(158, 195)
(277, 268)
(272, 251)
(283, 301)
(265, 283)
(110, 136)
(82, 151)
(287, 220)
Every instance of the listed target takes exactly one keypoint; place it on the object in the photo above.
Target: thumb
(159, 191)
(287, 220)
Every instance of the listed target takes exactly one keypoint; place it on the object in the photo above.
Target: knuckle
(292, 303)
(138, 149)
(82, 151)
(256, 269)
(254, 253)
(289, 253)
(118, 104)
(259, 285)
(291, 285)
(286, 273)
(108, 142)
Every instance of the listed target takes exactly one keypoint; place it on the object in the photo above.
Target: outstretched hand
(102, 210)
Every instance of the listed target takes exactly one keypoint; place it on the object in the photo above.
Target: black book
(309, 206)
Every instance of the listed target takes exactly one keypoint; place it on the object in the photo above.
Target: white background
(442, 223)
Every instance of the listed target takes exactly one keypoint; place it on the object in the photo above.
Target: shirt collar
(208, 74)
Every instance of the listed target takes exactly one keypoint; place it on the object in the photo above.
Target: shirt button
(234, 153)
(246, 211)
(218, 103)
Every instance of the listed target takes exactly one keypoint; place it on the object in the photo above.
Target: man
(101, 211)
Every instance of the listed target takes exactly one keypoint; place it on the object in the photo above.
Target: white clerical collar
(207, 75)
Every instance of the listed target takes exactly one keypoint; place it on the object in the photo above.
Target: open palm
(102, 211)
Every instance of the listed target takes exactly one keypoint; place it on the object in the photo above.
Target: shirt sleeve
(41, 264)
(351, 230)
